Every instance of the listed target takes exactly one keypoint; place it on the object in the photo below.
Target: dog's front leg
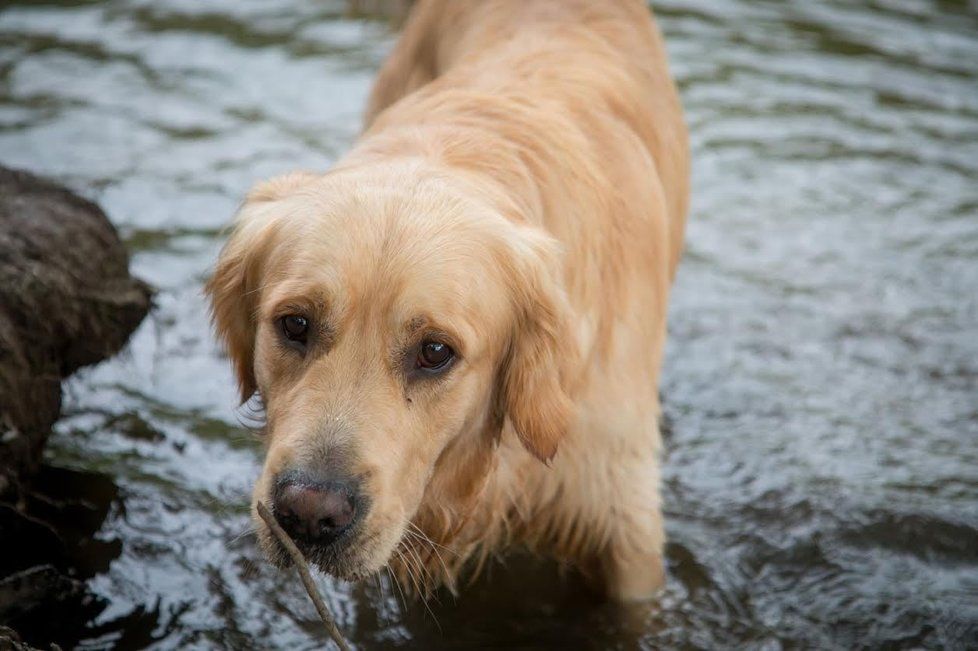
(631, 565)
(633, 576)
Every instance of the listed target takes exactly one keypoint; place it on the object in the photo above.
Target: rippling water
(821, 386)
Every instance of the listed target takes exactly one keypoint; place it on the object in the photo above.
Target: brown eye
(295, 328)
(434, 355)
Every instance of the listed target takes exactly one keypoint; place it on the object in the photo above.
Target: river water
(821, 382)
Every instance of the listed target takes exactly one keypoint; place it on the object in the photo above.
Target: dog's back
(577, 61)
(565, 117)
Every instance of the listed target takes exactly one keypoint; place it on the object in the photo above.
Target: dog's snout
(315, 512)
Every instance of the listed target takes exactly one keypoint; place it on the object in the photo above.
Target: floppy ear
(543, 353)
(234, 288)
(234, 300)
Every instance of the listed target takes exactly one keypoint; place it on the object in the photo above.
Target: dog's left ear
(537, 373)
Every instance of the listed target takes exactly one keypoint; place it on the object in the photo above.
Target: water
(821, 383)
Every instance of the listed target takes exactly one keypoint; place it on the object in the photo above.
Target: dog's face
(384, 321)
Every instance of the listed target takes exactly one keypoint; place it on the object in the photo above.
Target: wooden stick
(303, 567)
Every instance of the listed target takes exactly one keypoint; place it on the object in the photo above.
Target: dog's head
(385, 317)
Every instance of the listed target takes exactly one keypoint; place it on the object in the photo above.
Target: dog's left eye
(295, 328)
(434, 355)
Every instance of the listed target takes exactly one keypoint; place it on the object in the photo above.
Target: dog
(456, 332)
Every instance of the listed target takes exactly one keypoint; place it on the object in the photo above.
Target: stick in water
(303, 567)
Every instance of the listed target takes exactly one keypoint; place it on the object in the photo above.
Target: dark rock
(10, 641)
(22, 592)
(26, 541)
(66, 300)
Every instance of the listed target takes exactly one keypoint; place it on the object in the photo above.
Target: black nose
(314, 511)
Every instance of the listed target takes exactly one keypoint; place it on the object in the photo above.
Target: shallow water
(821, 383)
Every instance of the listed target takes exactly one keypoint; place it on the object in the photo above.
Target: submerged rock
(66, 300)
(49, 548)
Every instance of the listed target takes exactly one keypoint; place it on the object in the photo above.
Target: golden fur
(521, 190)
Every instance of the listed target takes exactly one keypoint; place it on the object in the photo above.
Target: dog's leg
(632, 564)
(633, 575)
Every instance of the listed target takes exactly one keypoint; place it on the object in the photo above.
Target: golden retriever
(457, 331)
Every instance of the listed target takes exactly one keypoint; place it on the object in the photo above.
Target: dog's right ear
(234, 288)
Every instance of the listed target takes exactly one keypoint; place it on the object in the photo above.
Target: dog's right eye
(434, 356)
(295, 328)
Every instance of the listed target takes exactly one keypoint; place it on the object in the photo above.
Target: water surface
(821, 382)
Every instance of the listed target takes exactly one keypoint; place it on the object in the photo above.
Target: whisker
(422, 594)
(251, 529)
(426, 577)
(407, 568)
(424, 538)
(397, 584)
(406, 564)
(427, 538)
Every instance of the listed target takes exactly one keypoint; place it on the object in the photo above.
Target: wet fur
(540, 142)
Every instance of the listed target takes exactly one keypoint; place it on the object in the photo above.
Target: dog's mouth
(347, 557)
